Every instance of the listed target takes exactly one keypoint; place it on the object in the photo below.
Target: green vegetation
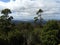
(26, 33)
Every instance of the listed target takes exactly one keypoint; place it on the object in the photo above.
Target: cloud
(26, 9)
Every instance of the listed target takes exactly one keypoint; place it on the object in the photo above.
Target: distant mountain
(29, 21)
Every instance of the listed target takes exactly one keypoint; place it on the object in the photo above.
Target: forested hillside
(27, 33)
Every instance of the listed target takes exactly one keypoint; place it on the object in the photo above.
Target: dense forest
(27, 33)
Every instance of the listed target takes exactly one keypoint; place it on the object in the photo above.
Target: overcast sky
(26, 9)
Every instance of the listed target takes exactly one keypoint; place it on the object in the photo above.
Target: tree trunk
(40, 21)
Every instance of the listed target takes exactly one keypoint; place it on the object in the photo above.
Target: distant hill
(30, 21)
(20, 21)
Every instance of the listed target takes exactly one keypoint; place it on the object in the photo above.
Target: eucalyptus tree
(5, 20)
(5, 13)
(39, 13)
(5, 17)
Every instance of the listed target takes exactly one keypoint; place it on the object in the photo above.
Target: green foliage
(35, 19)
(6, 11)
(39, 11)
(5, 24)
(5, 15)
(49, 37)
(27, 33)
(49, 33)
(51, 25)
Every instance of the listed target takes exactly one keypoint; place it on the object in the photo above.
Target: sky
(26, 9)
